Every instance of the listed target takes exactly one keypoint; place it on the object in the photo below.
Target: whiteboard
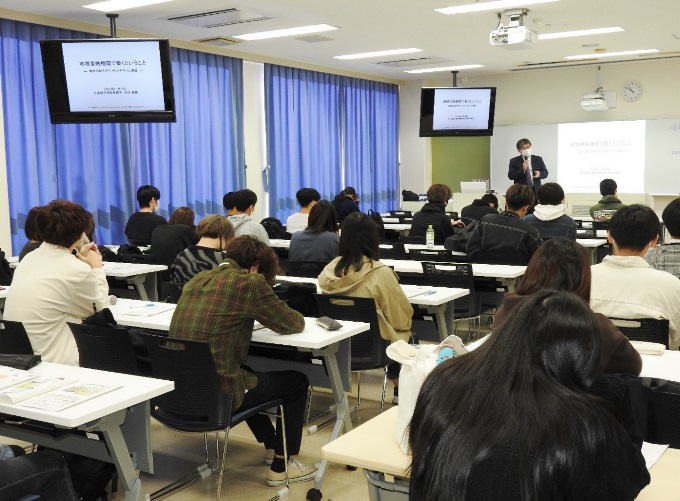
(661, 165)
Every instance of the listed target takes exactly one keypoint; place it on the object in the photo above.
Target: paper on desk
(149, 309)
(652, 453)
(416, 290)
(67, 396)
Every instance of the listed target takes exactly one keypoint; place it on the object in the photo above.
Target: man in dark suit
(526, 168)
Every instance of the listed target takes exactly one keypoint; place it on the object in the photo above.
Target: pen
(429, 293)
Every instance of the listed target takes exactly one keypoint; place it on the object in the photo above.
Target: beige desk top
(373, 446)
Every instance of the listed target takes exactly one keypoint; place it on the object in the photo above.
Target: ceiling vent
(213, 19)
(314, 38)
(219, 41)
(401, 63)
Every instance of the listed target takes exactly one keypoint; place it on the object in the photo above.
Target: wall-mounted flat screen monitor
(457, 111)
(108, 80)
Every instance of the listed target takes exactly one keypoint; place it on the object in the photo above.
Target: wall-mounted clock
(632, 90)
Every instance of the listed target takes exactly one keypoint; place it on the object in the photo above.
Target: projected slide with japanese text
(461, 108)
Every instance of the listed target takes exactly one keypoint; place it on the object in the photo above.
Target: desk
(666, 366)
(592, 244)
(373, 447)
(121, 415)
(436, 300)
(141, 276)
(506, 274)
(398, 227)
(329, 345)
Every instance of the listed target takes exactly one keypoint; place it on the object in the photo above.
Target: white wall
(254, 133)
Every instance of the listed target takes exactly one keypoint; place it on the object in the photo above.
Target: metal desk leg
(444, 325)
(341, 404)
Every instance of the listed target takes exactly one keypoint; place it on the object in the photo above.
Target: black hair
(522, 393)
(490, 199)
(522, 142)
(322, 218)
(608, 187)
(358, 240)
(306, 196)
(244, 199)
(519, 195)
(229, 201)
(670, 216)
(634, 226)
(145, 194)
(31, 227)
(550, 194)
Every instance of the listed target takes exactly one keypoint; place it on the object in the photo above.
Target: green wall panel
(456, 159)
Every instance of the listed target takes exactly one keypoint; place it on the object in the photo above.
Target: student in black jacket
(480, 207)
(346, 202)
(141, 224)
(433, 213)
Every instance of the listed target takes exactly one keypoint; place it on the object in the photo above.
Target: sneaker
(269, 456)
(297, 472)
(395, 398)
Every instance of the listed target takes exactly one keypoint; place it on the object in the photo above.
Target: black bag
(6, 272)
(23, 362)
(458, 241)
(378, 220)
(274, 228)
(127, 249)
(409, 196)
(89, 476)
(108, 254)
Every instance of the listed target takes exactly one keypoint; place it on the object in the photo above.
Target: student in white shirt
(61, 281)
(625, 285)
(306, 197)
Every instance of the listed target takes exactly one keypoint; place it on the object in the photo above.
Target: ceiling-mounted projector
(594, 102)
(513, 37)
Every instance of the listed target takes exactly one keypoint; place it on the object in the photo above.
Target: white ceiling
(372, 25)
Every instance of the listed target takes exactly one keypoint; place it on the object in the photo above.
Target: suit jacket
(517, 174)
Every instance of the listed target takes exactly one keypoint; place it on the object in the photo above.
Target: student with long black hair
(525, 417)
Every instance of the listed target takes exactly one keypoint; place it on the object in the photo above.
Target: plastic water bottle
(429, 237)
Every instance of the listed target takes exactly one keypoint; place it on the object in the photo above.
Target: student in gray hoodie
(549, 217)
(243, 224)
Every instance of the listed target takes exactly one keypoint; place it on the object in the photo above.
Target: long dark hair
(323, 218)
(523, 392)
(559, 264)
(358, 240)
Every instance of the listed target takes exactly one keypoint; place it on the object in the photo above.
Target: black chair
(663, 413)
(107, 349)
(452, 215)
(406, 239)
(393, 251)
(197, 404)
(308, 269)
(368, 348)
(457, 275)
(170, 291)
(138, 258)
(644, 329)
(405, 220)
(434, 255)
(13, 339)
(401, 213)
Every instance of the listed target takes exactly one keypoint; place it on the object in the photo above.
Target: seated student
(548, 216)
(359, 273)
(480, 207)
(433, 214)
(141, 224)
(608, 190)
(504, 238)
(220, 306)
(564, 265)
(168, 240)
(625, 285)
(666, 257)
(526, 417)
(214, 231)
(320, 241)
(229, 202)
(244, 205)
(306, 197)
(345, 203)
(61, 281)
(32, 232)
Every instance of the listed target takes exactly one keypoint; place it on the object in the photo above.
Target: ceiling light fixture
(613, 54)
(288, 32)
(380, 53)
(447, 68)
(496, 5)
(580, 33)
(116, 5)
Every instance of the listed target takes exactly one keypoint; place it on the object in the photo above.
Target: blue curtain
(193, 161)
(326, 132)
(371, 146)
(303, 135)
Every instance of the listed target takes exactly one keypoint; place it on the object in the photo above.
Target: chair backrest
(13, 339)
(309, 269)
(197, 403)
(298, 295)
(405, 220)
(105, 348)
(412, 240)
(401, 213)
(368, 348)
(458, 275)
(644, 329)
(432, 255)
(392, 251)
(171, 291)
(452, 215)
(139, 258)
